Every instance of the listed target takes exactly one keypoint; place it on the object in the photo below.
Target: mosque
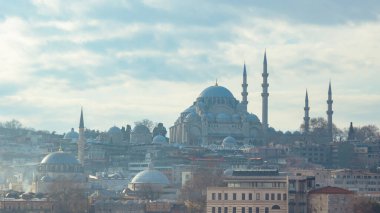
(217, 115)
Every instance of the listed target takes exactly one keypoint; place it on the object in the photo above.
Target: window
(219, 209)
(266, 196)
(257, 210)
(234, 196)
(213, 196)
(242, 209)
(213, 210)
(225, 196)
(284, 196)
(234, 210)
(272, 196)
(266, 210)
(243, 196)
(250, 196)
(219, 196)
(257, 196)
(276, 207)
(225, 209)
(278, 196)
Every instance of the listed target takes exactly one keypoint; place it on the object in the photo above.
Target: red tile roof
(330, 190)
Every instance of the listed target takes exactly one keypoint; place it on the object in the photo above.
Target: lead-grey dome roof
(141, 129)
(72, 135)
(151, 176)
(159, 139)
(114, 129)
(216, 91)
(59, 158)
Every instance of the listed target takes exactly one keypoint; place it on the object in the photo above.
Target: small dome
(141, 129)
(159, 139)
(229, 142)
(46, 179)
(228, 172)
(216, 91)
(114, 130)
(151, 176)
(192, 117)
(189, 110)
(252, 118)
(59, 158)
(72, 135)
(223, 117)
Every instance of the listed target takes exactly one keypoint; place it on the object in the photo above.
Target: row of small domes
(221, 117)
(139, 129)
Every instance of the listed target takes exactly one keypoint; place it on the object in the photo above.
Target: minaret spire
(81, 122)
(351, 133)
(265, 94)
(244, 93)
(329, 114)
(81, 139)
(306, 118)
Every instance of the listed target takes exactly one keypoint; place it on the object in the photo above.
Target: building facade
(250, 191)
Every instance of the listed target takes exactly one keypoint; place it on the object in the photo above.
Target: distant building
(331, 200)
(299, 187)
(250, 191)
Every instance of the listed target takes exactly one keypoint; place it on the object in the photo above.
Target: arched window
(275, 207)
(266, 210)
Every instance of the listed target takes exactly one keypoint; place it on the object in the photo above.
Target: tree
(193, 193)
(318, 128)
(367, 132)
(364, 205)
(68, 197)
(146, 122)
(12, 124)
(159, 130)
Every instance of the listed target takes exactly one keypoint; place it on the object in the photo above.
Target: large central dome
(59, 158)
(216, 91)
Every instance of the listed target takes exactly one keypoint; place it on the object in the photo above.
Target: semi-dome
(253, 118)
(114, 130)
(210, 116)
(141, 129)
(216, 91)
(189, 110)
(150, 176)
(159, 139)
(223, 117)
(192, 117)
(59, 158)
(72, 135)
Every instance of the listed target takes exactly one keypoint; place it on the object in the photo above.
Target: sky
(128, 60)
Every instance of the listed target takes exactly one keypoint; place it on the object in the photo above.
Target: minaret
(265, 94)
(351, 133)
(306, 118)
(81, 140)
(329, 114)
(244, 93)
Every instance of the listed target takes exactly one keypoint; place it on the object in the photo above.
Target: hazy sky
(124, 60)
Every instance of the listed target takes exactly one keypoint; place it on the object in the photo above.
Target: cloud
(129, 60)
